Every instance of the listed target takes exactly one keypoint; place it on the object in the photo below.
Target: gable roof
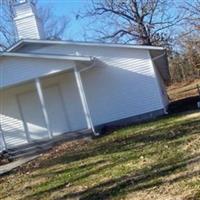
(21, 43)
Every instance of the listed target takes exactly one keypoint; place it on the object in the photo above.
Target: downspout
(90, 66)
(83, 70)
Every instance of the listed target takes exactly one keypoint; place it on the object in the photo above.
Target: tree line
(172, 24)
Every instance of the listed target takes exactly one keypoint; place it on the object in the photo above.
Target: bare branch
(140, 20)
(54, 26)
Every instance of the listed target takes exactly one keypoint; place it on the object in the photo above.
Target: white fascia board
(32, 41)
(93, 44)
(16, 45)
(48, 56)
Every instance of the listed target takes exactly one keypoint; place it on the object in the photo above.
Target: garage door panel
(73, 103)
(55, 108)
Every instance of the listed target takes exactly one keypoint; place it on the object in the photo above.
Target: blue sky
(69, 8)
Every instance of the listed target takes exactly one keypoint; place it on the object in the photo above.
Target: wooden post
(43, 106)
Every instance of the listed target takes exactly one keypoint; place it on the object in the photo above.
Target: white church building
(49, 88)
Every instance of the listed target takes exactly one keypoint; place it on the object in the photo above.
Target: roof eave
(32, 41)
(15, 46)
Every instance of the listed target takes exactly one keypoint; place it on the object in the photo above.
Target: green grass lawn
(155, 160)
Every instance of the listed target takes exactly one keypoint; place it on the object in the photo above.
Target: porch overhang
(81, 62)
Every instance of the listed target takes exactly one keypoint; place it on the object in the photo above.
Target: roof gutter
(47, 56)
(89, 67)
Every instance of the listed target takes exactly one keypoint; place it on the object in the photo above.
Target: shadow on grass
(142, 179)
(111, 147)
(127, 143)
(80, 173)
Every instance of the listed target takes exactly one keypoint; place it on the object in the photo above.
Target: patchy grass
(183, 90)
(156, 160)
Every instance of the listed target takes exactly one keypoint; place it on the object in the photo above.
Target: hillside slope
(156, 160)
(183, 90)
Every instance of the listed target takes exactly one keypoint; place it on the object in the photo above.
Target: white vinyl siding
(115, 93)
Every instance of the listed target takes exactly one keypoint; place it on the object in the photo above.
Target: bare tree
(7, 32)
(185, 65)
(193, 17)
(54, 26)
(144, 21)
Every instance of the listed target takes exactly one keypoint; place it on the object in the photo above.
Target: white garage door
(56, 111)
(33, 116)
